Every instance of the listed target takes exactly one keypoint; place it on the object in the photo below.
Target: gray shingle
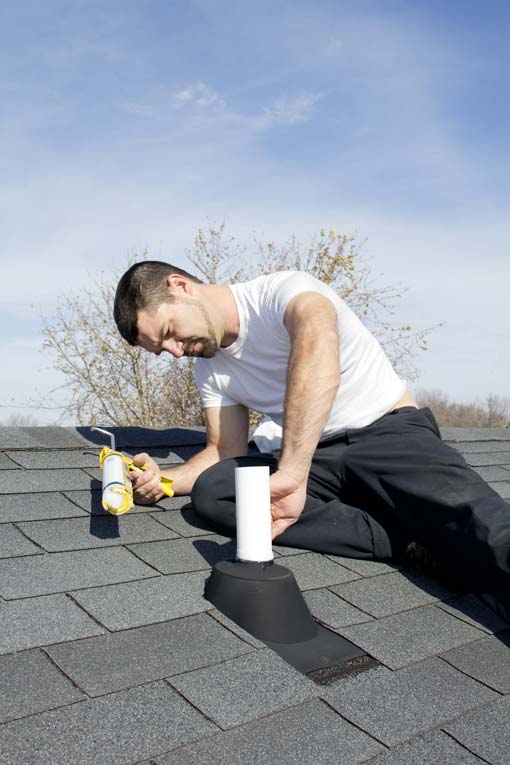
(487, 458)
(183, 521)
(411, 636)
(144, 439)
(184, 635)
(47, 436)
(394, 706)
(29, 481)
(502, 488)
(456, 435)
(172, 503)
(482, 447)
(30, 683)
(86, 457)
(165, 455)
(285, 551)
(16, 438)
(13, 543)
(90, 501)
(56, 437)
(391, 594)
(243, 689)
(42, 621)
(313, 571)
(93, 472)
(122, 606)
(365, 567)
(123, 728)
(486, 732)
(435, 748)
(307, 734)
(55, 459)
(182, 555)
(470, 609)
(60, 572)
(178, 454)
(485, 660)
(496, 473)
(95, 531)
(236, 629)
(37, 507)
(332, 610)
(112, 662)
(170, 460)
(6, 463)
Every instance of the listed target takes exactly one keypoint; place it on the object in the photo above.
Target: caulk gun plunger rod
(107, 433)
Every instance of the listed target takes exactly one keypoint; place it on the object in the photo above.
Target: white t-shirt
(252, 371)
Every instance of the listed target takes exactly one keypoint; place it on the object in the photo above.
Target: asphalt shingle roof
(110, 653)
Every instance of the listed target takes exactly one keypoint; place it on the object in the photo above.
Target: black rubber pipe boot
(262, 598)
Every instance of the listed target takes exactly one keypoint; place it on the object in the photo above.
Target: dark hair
(143, 287)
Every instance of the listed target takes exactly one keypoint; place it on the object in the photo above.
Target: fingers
(286, 507)
(143, 459)
(146, 485)
(146, 488)
(279, 525)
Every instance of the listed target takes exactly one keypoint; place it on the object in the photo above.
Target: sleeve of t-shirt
(290, 285)
(210, 394)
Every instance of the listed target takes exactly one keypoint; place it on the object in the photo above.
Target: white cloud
(199, 106)
(198, 94)
(288, 110)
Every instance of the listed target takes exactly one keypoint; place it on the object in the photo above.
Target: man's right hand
(146, 485)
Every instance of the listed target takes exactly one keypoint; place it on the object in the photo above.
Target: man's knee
(213, 494)
(201, 494)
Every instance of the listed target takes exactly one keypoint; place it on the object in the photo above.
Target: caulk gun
(117, 495)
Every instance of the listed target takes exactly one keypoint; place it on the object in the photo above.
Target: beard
(207, 347)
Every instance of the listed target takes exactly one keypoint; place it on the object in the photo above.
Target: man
(362, 471)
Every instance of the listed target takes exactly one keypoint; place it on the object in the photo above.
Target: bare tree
(19, 420)
(108, 380)
(494, 412)
(334, 258)
(111, 382)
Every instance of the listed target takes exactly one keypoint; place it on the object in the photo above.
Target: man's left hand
(288, 497)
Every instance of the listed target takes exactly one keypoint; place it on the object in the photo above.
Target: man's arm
(227, 436)
(313, 377)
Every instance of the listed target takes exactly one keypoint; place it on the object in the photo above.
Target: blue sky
(126, 125)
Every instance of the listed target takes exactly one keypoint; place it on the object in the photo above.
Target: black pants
(372, 490)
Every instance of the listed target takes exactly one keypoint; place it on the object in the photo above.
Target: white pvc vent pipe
(253, 514)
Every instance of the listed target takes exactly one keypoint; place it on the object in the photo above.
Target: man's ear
(177, 282)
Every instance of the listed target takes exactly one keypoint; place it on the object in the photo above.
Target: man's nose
(175, 347)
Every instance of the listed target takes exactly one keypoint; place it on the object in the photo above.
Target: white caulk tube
(114, 485)
(253, 514)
